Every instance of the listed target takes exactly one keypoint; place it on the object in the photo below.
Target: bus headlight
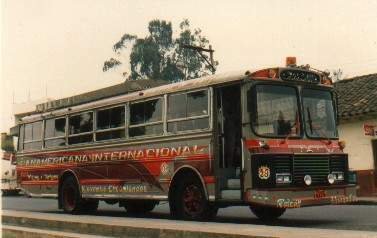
(331, 178)
(283, 178)
(308, 179)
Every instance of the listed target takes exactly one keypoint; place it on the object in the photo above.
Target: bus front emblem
(264, 172)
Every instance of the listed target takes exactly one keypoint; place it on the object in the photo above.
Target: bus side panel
(139, 171)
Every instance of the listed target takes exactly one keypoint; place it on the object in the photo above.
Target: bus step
(234, 184)
(231, 194)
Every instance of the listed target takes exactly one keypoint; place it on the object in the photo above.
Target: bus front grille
(318, 167)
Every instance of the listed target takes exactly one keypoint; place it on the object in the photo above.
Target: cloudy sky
(55, 49)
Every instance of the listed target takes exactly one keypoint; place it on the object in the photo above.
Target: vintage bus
(265, 139)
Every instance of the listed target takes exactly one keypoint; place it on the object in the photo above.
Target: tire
(189, 202)
(70, 196)
(138, 207)
(267, 213)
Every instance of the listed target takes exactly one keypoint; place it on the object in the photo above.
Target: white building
(358, 128)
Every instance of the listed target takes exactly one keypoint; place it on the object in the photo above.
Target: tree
(161, 56)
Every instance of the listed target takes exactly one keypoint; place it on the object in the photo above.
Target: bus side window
(33, 136)
(146, 118)
(110, 123)
(55, 132)
(80, 128)
(188, 111)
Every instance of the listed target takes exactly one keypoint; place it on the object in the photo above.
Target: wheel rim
(69, 197)
(192, 200)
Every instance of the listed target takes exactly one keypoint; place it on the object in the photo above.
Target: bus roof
(95, 99)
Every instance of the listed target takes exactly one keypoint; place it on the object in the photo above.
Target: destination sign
(299, 75)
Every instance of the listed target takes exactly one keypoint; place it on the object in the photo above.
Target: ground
(345, 217)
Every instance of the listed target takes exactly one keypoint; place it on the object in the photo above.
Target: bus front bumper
(296, 198)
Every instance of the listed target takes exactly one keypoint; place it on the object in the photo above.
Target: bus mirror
(7, 142)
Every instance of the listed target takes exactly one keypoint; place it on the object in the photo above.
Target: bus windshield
(275, 111)
(319, 114)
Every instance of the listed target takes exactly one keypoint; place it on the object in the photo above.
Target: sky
(54, 49)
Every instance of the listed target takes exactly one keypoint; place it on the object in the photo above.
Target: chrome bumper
(302, 198)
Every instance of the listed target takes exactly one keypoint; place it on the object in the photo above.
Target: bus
(8, 174)
(266, 139)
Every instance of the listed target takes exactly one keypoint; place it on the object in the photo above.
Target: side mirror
(7, 142)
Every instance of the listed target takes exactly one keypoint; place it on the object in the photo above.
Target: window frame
(56, 137)
(82, 133)
(96, 130)
(254, 105)
(304, 113)
(33, 141)
(162, 121)
(208, 115)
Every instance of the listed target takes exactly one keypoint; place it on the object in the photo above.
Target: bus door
(228, 128)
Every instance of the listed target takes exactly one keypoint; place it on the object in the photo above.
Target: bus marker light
(308, 180)
(263, 144)
(290, 61)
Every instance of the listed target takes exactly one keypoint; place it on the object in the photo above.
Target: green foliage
(160, 56)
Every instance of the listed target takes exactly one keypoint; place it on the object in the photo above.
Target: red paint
(41, 182)
(209, 179)
(294, 146)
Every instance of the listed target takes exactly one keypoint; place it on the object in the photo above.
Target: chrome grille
(282, 164)
(338, 164)
(317, 167)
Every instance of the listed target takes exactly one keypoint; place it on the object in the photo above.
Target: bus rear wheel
(189, 201)
(267, 213)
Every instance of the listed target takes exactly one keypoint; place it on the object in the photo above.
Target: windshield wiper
(309, 120)
(321, 134)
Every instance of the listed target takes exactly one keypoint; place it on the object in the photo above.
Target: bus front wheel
(267, 213)
(70, 196)
(189, 201)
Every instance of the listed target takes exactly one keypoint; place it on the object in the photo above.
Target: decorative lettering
(288, 203)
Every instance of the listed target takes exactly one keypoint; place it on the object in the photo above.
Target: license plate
(318, 194)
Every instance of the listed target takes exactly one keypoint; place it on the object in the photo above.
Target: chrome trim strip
(122, 143)
(42, 195)
(127, 196)
(146, 124)
(188, 118)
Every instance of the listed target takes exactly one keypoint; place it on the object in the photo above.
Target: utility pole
(200, 51)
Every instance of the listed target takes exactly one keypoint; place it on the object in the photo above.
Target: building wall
(359, 149)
